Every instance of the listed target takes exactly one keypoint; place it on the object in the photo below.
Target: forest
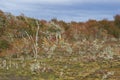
(33, 49)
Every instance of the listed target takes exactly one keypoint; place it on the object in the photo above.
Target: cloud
(67, 10)
(57, 1)
(30, 4)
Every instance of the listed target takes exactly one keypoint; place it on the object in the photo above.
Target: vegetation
(32, 49)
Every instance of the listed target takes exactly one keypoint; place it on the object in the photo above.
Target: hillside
(58, 50)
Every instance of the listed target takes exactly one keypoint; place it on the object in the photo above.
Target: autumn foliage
(13, 31)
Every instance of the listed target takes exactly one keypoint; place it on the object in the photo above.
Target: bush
(4, 44)
(117, 21)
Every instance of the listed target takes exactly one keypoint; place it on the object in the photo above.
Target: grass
(60, 66)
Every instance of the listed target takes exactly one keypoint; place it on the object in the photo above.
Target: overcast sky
(67, 10)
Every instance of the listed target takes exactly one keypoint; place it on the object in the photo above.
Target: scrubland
(32, 49)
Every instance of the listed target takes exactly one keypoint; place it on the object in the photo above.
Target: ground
(60, 66)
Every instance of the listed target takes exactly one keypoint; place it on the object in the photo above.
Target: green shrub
(117, 21)
(4, 44)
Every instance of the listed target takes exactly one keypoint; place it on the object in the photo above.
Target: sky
(66, 10)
